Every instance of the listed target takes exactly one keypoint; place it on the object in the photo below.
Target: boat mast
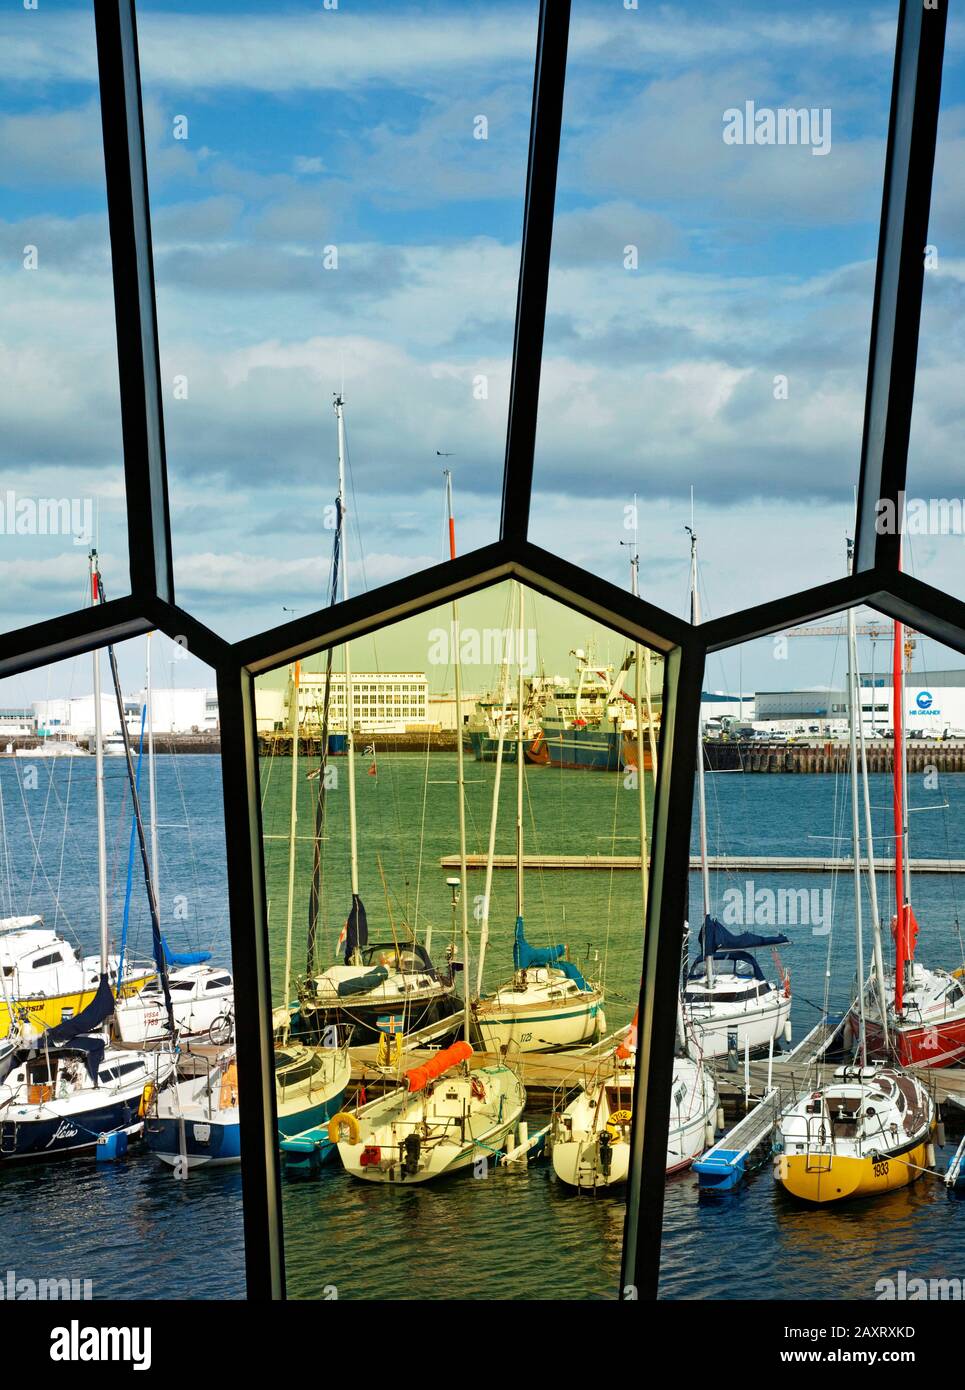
(99, 779)
(152, 788)
(869, 837)
(292, 824)
(854, 714)
(460, 770)
(638, 655)
(900, 811)
(349, 700)
(491, 849)
(701, 791)
(519, 763)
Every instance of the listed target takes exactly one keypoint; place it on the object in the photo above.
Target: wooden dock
(789, 863)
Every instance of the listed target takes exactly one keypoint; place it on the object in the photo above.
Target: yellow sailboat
(866, 1133)
(46, 981)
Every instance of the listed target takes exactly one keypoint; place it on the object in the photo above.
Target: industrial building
(934, 706)
(190, 710)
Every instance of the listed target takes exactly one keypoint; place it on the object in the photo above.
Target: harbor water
(135, 1231)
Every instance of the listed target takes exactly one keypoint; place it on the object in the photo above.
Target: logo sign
(923, 699)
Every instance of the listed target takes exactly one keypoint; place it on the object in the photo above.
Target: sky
(333, 222)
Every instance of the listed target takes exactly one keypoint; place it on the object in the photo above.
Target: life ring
(335, 1126)
(618, 1118)
(147, 1095)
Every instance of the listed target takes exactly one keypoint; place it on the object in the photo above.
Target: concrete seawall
(923, 754)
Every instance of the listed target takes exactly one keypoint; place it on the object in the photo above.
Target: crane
(870, 629)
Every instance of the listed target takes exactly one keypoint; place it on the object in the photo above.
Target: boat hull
(48, 1010)
(363, 1017)
(207, 1143)
(931, 1045)
(821, 1178)
(539, 1027)
(754, 1029)
(58, 1134)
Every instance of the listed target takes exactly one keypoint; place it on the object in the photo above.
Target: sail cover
(183, 957)
(527, 957)
(361, 984)
(97, 1011)
(356, 929)
(714, 936)
(418, 1077)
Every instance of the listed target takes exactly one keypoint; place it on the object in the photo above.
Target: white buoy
(720, 1117)
(930, 1156)
(523, 1135)
(787, 1031)
(709, 1135)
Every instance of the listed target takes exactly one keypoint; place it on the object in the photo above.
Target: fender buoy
(147, 1095)
(343, 1120)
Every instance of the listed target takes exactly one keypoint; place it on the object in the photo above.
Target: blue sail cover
(356, 929)
(183, 957)
(526, 957)
(361, 984)
(97, 1012)
(714, 936)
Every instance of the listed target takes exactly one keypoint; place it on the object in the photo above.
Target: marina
(426, 1034)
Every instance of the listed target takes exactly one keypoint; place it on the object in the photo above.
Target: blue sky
(310, 128)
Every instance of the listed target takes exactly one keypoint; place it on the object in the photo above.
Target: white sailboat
(547, 1004)
(591, 1137)
(386, 978)
(728, 1002)
(201, 995)
(443, 1116)
(67, 1089)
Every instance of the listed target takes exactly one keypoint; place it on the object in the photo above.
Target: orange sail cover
(418, 1077)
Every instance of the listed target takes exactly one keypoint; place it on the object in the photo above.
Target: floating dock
(789, 863)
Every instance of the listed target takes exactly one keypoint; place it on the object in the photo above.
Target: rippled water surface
(136, 1232)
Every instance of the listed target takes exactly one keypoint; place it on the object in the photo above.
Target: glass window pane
(711, 290)
(403, 976)
(337, 199)
(60, 449)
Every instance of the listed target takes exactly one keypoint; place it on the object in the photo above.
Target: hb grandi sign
(924, 702)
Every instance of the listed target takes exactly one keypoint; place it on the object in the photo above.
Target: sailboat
(728, 1002)
(869, 1129)
(444, 1115)
(47, 981)
(547, 1004)
(66, 1089)
(924, 1008)
(202, 995)
(591, 1136)
(390, 982)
